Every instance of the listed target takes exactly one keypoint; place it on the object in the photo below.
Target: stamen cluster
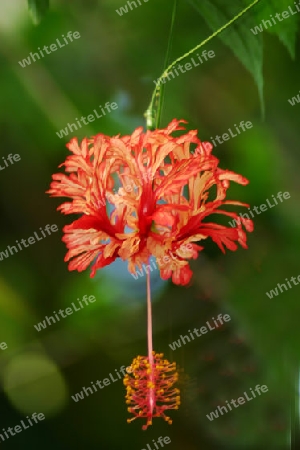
(149, 385)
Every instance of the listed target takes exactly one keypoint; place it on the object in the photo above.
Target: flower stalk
(149, 319)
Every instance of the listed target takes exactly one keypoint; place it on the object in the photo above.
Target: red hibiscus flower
(142, 195)
(148, 194)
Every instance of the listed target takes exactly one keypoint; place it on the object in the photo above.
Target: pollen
(149, 388)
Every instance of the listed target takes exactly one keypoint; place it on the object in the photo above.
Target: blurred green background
(116, 60)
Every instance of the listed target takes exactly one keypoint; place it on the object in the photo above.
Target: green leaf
(38, 9)
(247, 47)
(285, 29)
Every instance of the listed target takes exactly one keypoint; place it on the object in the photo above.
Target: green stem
(149, 114)
(161, 91)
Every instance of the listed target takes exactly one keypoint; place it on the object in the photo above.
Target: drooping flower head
(145, 194)
(149, 385)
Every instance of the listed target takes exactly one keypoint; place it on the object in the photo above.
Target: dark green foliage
(38, 9)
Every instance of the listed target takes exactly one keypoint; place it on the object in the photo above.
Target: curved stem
(149, 113)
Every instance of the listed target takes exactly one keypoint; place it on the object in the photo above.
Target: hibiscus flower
(158, 187)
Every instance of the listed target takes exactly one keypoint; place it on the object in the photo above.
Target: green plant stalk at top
(153, 112)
